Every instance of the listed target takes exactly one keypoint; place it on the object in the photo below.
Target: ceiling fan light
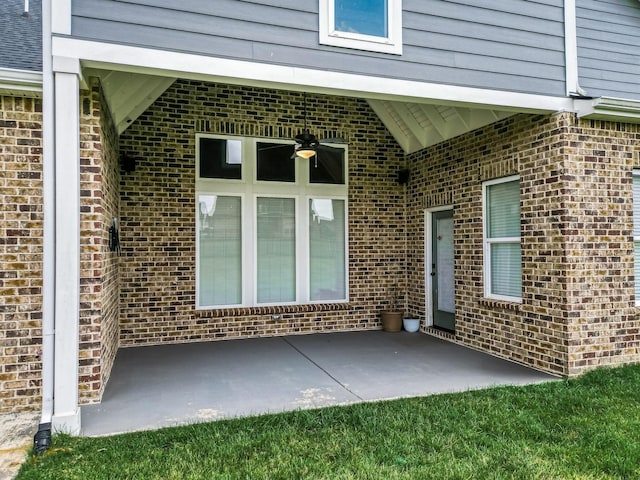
(305, 152)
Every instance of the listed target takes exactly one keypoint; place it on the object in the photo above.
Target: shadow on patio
(160, 386)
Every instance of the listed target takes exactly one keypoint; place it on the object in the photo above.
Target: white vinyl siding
(502, 251)
(373, 25)
(272, 234)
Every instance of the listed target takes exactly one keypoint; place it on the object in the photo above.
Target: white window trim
(390, 44)
(487, 242)
(248, 188)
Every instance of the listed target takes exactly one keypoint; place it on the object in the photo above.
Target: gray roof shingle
(21, 35)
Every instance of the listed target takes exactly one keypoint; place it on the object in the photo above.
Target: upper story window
(502, 251)
(374, 25)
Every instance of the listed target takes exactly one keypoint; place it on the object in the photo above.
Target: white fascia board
(182, 65)
(609, 108)
(22, 81)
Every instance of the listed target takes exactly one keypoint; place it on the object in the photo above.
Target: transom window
(502, 251)
(374, 25)
(271, 227)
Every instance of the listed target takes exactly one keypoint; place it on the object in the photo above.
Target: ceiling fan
(307, 144)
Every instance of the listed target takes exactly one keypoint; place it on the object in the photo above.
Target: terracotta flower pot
(391, 321)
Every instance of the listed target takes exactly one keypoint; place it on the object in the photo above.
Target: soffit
(416, 126)
(128, 95)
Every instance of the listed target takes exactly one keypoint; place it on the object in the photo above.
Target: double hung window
(636, 232)
(271, 229)
(374, 25)
(502, 252)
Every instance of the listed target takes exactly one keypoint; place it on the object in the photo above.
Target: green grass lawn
(587, 428)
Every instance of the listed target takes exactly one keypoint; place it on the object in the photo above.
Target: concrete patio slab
(159, 386)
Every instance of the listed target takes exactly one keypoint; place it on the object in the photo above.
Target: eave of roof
(609, 108)
(21, 83)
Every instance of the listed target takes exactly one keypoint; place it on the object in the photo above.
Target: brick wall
(604, 324)
(21, 222)
(99, 277)
(577, 310)
(158, 213)
(577, 257)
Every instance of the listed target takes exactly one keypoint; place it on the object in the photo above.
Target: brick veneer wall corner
(99, 268)
(21, 227)
(604, 323)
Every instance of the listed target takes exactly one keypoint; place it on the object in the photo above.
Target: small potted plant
(392, 317)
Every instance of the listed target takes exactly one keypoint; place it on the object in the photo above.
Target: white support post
(66, 412)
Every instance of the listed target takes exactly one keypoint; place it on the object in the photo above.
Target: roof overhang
(20, 83)
(609, 108)
(148, 61)
(418, 114)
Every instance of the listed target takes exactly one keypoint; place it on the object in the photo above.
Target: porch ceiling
(130, 94)
(414, 125)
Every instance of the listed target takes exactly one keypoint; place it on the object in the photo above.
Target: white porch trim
(199, 67)
(66, 413)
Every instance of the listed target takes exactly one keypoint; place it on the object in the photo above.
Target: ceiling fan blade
(327, 148)
(271, 147)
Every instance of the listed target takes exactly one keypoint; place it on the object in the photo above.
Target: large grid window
(636, 232)
(271, 229)
(502, 252)
(374, 25)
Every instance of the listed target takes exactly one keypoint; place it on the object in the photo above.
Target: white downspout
(42, 439)
(571, 50)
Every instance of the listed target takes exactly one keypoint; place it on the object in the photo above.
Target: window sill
(501, 304)
(382, 45)
(272, 310)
